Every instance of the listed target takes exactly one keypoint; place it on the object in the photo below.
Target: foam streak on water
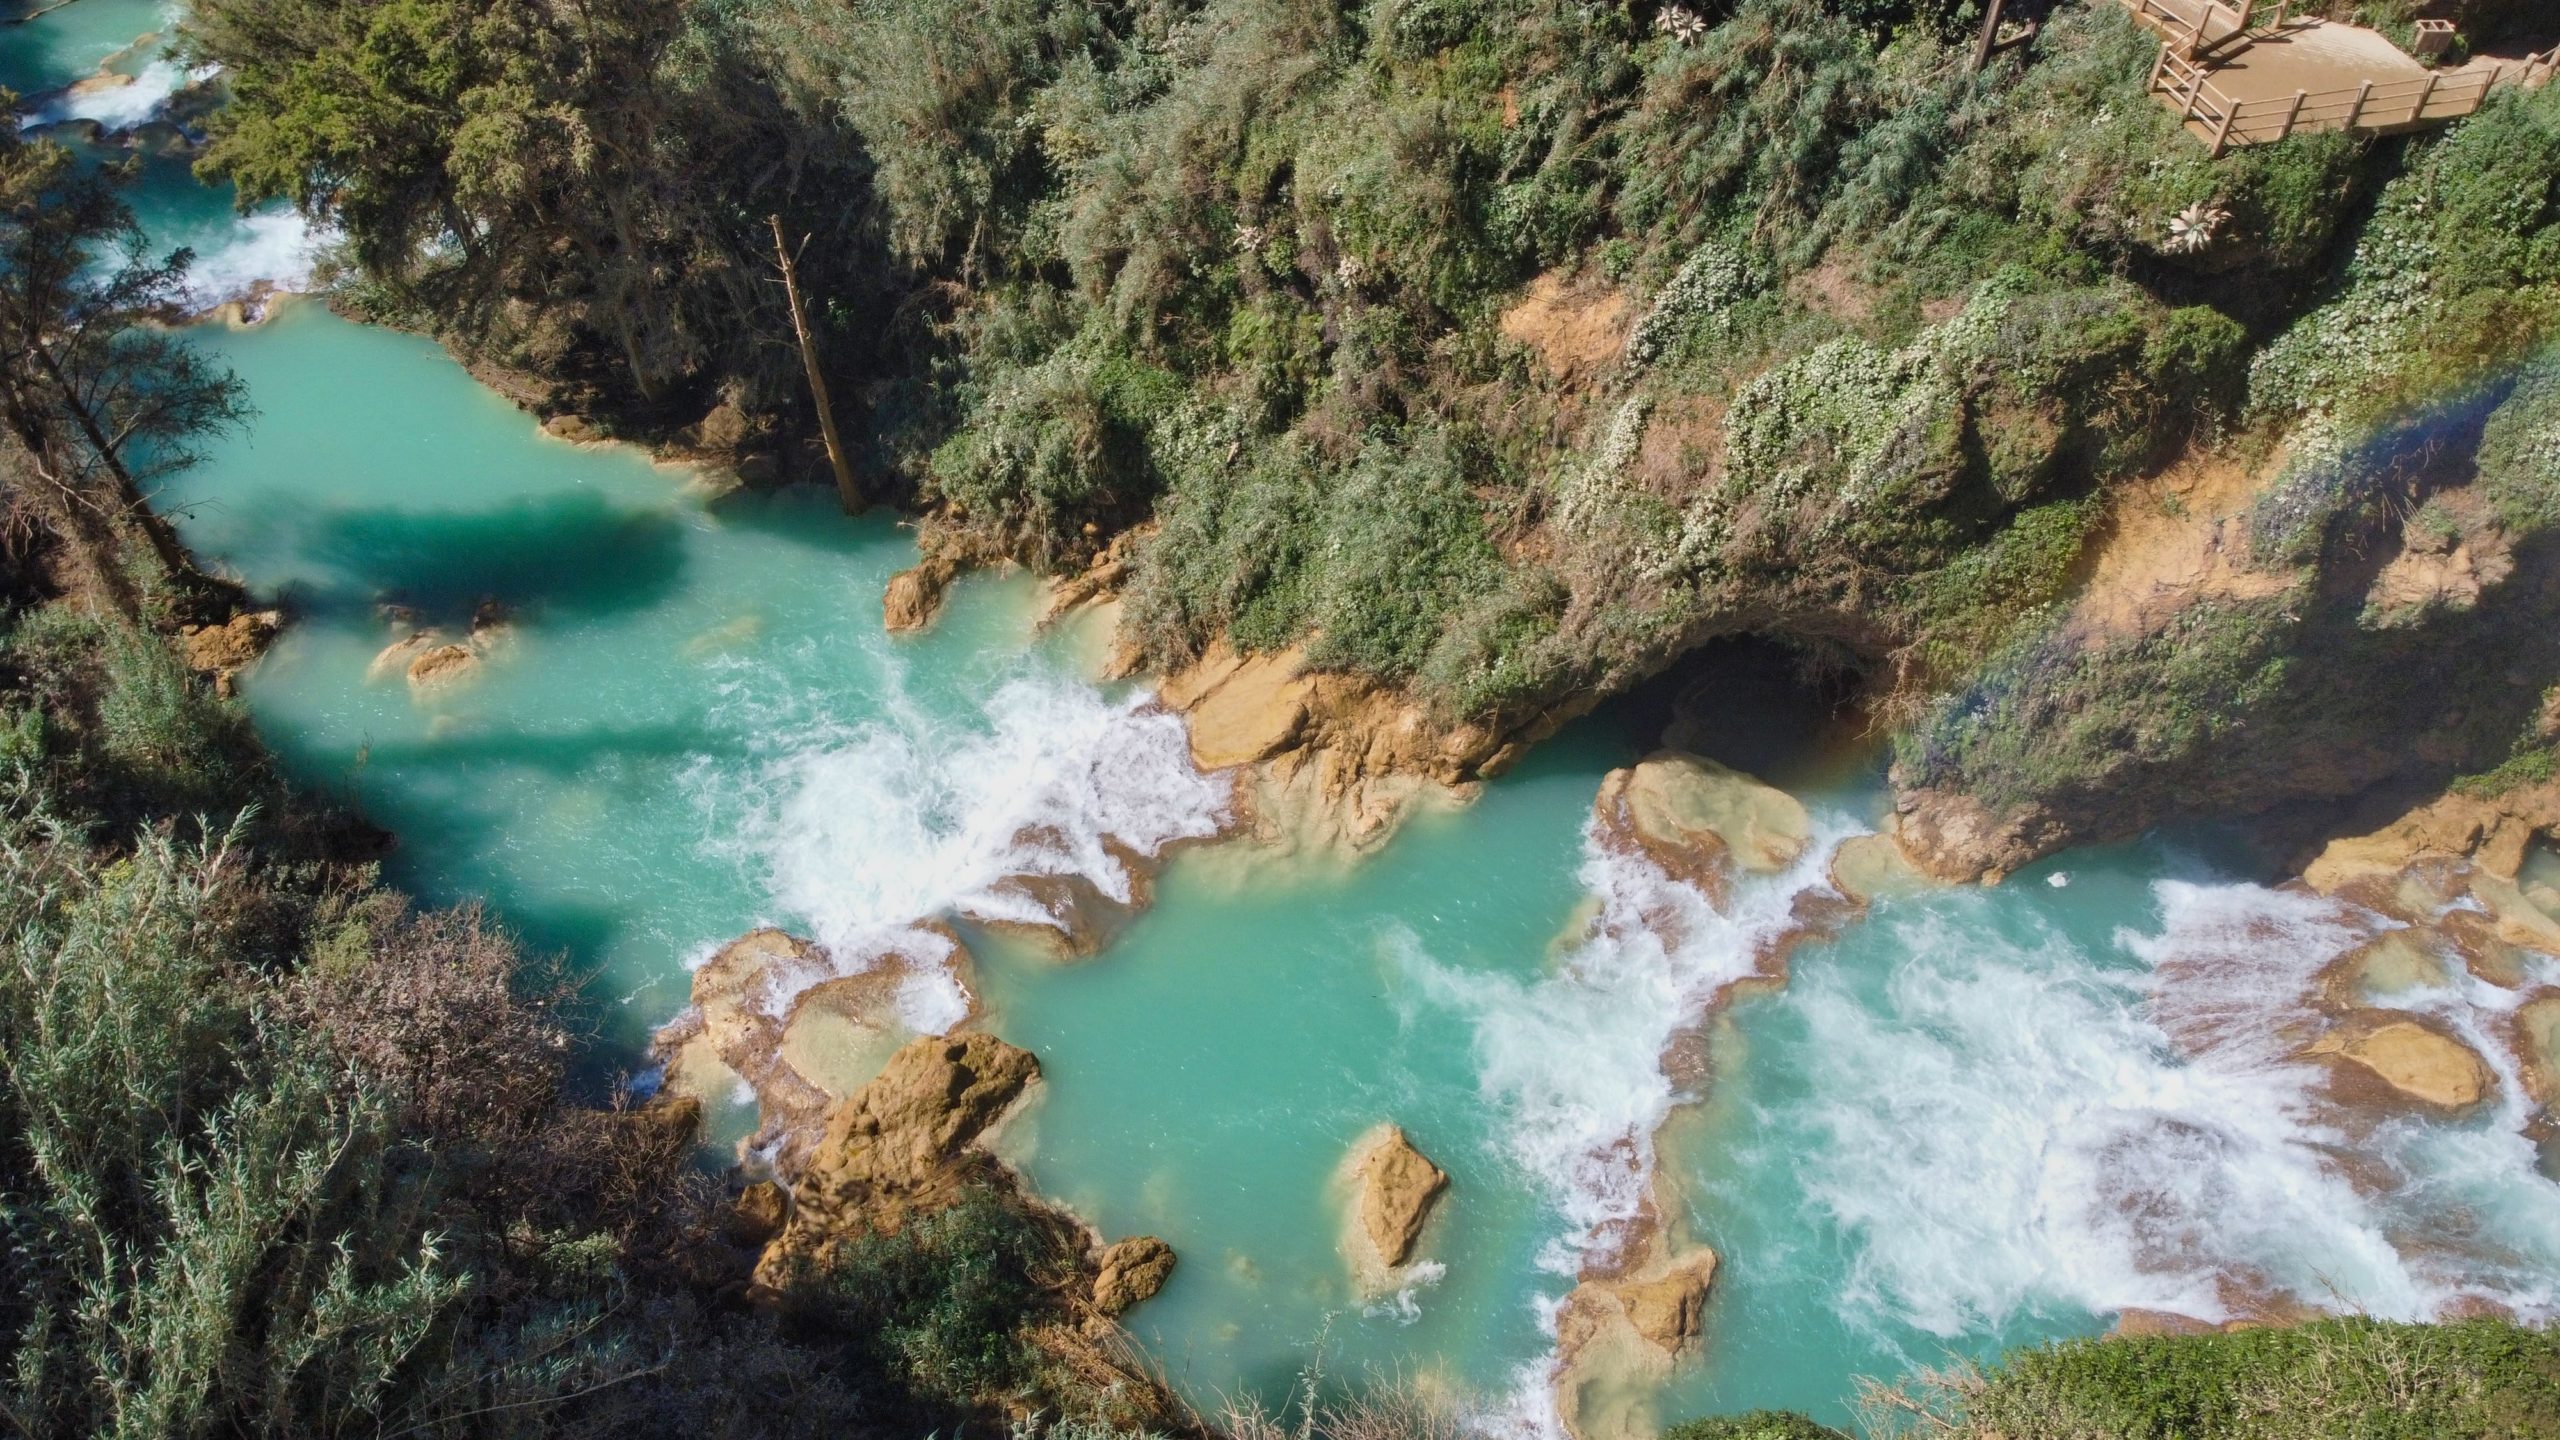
(1574, 1062)
(862, 832)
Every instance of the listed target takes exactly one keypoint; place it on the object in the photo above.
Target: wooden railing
(2378, 108)
(2194, 26)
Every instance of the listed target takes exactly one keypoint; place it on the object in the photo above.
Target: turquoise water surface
(1962, 1125)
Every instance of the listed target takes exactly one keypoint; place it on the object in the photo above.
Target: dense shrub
(940, 1301)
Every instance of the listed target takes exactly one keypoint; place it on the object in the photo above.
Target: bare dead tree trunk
(848, 494)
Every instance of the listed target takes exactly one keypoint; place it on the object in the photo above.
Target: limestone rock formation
(915, 595)
(1667, 1308)
(1618, 1335)
(908, 1144)
(802, 1026)
(1952, 836)
(232, 645)
(1868, 868)
(895, 1147)
(2416, 1060)
(757, 1214)
(1398, 1186)
(1336, 759)
(1682, 803)
(1257, 709)
(1129, 1271)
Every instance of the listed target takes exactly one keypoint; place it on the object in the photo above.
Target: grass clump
(2326, 1380)
(1756, 1425)
(2466, 1380)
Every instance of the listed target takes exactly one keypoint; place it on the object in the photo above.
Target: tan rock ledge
(1395, 1189)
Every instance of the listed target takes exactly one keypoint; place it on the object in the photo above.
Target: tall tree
(97, 395)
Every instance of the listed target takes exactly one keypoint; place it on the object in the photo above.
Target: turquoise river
(1962, 1124)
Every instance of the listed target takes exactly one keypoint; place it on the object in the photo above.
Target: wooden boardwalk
(2254, 73)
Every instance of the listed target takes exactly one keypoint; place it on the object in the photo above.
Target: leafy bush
(940, 1300)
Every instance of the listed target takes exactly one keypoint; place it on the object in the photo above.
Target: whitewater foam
(864, 832)
(120, 107)
(2012, 1126)
(1575, 1061)
(269, 250)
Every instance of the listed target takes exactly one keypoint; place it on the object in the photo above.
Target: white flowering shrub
(1589, 491)
(2354, 342)
(1699, 299)
(1846, 423)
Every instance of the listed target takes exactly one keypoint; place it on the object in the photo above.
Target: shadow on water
(589, 752)
(802, 515)
(569, 554)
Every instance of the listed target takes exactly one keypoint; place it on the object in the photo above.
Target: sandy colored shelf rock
(2415, 1059)
(1398, 1186)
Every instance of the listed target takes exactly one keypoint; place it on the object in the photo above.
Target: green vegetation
(280, 1154)
(2473, 1379)
(1758, 1425)
(97, 398)
(2328, 1380)
(1831, 338)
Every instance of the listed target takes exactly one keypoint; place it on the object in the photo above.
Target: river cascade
(1911, 1122)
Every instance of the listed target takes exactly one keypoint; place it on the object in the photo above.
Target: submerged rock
(442, 667)
(396, 657)
(1131, 1270)
(1398, 1186)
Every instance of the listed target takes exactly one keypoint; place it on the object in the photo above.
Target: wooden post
(2293, 112)
(2195, 93)
(848, 494)
(2153, 84)
(1990, 34)
(2222, 135)
(2355, 112)
(2418, 111)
